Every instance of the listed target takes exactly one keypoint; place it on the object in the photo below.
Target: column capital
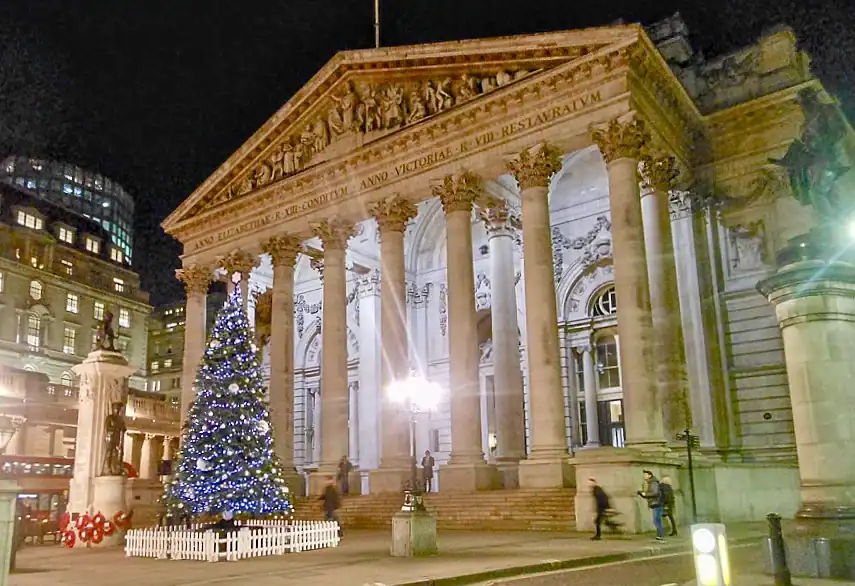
(334, 232)
(458, 193)
(534, 167)
(620, 139)
(196, 278)
(496, 215)
(659, 172)
(238, 261)
(584, 349)
(393, 213)
(283, 250)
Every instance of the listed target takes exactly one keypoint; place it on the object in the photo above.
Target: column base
(546, 473)
(413, 534)
(468, 477)
(295, 481)
(509, 474)
(388, 480)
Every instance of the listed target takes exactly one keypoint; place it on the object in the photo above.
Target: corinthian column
(395, 460)
(466, 469)
(334, 234)
(196, 281)
(547, 463)
(621, 143)
(283, 252)
(239, 263)
(507, 374)
(659, 174)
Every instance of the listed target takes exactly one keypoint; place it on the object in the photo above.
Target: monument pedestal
(413, 534)
(814, 300)
(109, 499)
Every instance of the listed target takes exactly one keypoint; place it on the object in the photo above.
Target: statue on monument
(105, 337)
(813, 162)
(114, 435)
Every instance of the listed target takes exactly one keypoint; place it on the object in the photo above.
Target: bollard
(777, 552)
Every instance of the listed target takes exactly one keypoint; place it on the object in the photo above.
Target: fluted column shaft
(196, 281)
(621, 144)
(283, 252)
(659, 175)
(392, 216)
(592, 422)
(533, 171)
(334, 234)
(507, 374)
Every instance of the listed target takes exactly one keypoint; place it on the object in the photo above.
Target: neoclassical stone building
(565, 231)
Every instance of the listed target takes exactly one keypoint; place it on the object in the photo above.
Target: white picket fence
(251, 539)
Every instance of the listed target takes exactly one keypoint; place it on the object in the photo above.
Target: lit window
(155, 386)
(2, 282)
(167, 363)
(605, 304)
(66, 380)
(116, 254)
(68, 339)
(118, 285)
(67, 266)
(29, 220)
(124, 317)
(34, 330)
(171, 325)
(608, 365)
(155, 366)
(35, 290)
(99, 310)
(72, 303)
(66, 235)
(93, 246)
(176, 382)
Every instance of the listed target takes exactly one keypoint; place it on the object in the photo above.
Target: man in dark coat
(332, 502)
(652, 493)
(668, 503)
(603, 509)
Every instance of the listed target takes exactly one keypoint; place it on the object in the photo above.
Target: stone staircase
(496, 510)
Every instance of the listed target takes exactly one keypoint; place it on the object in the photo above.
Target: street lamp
(416, 395)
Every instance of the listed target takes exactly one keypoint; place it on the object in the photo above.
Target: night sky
(157, 93)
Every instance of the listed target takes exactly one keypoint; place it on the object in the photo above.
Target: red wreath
(122, 520)
(82, 521)
(68, 538)
(64, 521)
(98, 522)
(97, 536)
(109, 528)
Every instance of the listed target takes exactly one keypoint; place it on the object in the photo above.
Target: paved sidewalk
(361, 559)
(761, 580)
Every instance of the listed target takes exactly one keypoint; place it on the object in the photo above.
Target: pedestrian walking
(343, 475)
(332, 502)
(652, 493)
(605, 514)
(668, 503)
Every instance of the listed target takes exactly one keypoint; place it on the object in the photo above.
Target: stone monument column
(621, 143)
(395, 459)
(659, 174)
(507, 371)
(239, 263)
(283, 251)
(467, 469)
(334, 234)
(589, 379)
(98, 483)
(197, 280)
(547, 463)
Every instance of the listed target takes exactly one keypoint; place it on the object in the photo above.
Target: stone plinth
(103, 381)
(814, 302)
(413, 534)
(546, 473)
(109, 499)
(468, 477)
(388, 480)
(8, 499)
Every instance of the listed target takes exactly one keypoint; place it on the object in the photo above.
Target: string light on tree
(226, 462)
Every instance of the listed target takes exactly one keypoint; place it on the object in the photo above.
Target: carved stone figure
(468, 89)
(322, 137)
(503, 78)
(334, 120)
(429, 95)
(747, 247)
(417, 108)
(348, 106)
(393, 107)
(263, 175)
(289, 165)
(105, 337)
(444, 99)
(372, 110)
(275, 160)
(114, 435)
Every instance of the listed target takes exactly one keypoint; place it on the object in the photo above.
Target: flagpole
(377, 23)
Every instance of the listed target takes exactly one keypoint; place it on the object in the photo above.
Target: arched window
(35, 290)
(66, 380)
(608, 367)
(605, 303)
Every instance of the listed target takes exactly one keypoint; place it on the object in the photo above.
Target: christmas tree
(226, 461)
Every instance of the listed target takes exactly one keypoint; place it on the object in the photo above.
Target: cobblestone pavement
(361, 559)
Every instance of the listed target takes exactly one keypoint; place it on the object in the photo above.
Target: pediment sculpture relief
(367, 109)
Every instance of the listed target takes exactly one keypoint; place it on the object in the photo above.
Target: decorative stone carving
(443, 308)
(317, 265)
(659, 173)
(497, 216)
(196, 278)
(238, 262)
(369, 285)
(334, 232)
(747, 247)
(594, 250)
(620, 139)
(301, 308)
(263, 316)
(419, 297)
(458, 193)
(733, 70)
(482, 292)
(283, 250)
(393, 213)
(535, 167)
(587, 284)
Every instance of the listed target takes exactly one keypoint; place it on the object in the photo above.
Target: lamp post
(416, 395)
(9, 521)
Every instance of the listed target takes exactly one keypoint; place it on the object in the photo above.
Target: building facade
(565, 231)
(82, 192)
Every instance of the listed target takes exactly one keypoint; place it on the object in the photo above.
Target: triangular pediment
(359, 97)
